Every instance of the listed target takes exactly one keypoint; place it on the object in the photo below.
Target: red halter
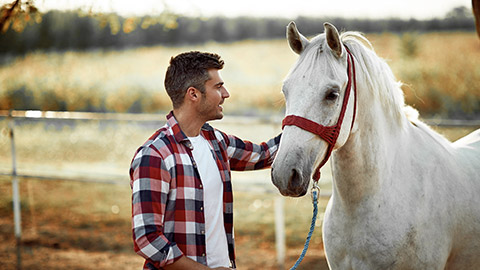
(330, 133)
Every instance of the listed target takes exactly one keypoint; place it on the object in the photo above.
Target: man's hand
(185, 263)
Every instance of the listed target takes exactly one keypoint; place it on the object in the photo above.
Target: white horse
(403, 196)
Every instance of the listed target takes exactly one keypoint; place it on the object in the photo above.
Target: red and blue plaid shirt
(167, 193)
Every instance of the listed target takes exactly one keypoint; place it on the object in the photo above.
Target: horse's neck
(360, 166)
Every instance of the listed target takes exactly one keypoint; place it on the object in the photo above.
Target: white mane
(377, 75)
(385, 87)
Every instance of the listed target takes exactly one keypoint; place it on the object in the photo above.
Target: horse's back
(468, 152)
(472, 140)
(467, 155)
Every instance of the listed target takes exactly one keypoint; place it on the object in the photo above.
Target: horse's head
(314, 89)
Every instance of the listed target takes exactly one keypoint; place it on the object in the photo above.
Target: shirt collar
(177, 131)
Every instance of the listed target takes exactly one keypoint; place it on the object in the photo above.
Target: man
(182, 214)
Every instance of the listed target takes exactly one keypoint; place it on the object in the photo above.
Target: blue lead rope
(315, 192)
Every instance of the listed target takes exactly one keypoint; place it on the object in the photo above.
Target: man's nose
(225, 93)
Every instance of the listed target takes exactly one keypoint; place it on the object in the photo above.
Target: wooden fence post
(280, 231)
(16, 194)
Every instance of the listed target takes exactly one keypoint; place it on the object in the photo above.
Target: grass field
(441, 72)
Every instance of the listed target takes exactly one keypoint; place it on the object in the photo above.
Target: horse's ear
(296, 40)
(333, 39)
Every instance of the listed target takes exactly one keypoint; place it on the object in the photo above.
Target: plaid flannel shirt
(167, 193)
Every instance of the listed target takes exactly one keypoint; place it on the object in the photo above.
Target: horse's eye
(333, 95)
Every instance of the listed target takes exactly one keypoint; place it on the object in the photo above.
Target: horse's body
(403, 196)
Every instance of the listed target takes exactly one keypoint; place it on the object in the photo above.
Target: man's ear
(192, 93)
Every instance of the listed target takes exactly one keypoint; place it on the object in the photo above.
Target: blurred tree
(409, 44)
(83, 33)
(19, 13)
(82, 30)
(45, 37)
(476, 12)
(459, 13)
(219, 29)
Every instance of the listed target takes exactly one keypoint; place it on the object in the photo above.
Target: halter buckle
(315, 188)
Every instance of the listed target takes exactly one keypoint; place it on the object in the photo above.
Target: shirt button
(203, 254)
(201, 186)
(202, 232)
(201, 208)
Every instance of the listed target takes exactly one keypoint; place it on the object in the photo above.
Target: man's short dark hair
(189, 69)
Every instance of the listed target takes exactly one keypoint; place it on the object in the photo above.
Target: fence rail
(129, 117)
(65, 178)
(273, 119)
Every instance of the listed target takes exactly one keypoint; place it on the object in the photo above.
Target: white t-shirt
(217, 247)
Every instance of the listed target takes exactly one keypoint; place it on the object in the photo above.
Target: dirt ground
(60, 244)
(40, 254)
(76, 226)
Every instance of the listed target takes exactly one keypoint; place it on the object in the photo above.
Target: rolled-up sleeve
(150, 183)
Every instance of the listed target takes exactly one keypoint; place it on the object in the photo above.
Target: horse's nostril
(294, 179)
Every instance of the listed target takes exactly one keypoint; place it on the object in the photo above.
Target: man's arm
(245, 155)
(150, 182)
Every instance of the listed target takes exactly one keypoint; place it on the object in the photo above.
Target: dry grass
(444, 76)
(441, 73)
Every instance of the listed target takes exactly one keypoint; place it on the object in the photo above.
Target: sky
(405, 9)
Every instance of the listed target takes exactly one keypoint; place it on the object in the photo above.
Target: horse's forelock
(318, 53)
(307, 64)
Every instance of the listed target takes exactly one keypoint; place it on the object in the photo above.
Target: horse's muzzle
(295, 184)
